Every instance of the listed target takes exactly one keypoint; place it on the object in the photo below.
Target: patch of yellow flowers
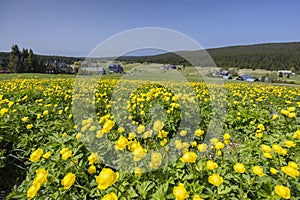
(275, 131)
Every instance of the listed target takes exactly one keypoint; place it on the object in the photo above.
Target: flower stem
(122, 193)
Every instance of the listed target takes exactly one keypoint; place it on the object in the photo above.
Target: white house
(286, 72)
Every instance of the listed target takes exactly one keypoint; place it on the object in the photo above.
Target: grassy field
(153, 140)
(154, 72)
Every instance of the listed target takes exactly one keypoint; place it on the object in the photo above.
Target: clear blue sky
(74, 28)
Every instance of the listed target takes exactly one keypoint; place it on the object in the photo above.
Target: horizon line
(209, 48)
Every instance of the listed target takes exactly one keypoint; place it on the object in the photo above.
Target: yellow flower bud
(68, 180)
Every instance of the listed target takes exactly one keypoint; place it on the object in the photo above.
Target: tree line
(25, 61)
(270, 56)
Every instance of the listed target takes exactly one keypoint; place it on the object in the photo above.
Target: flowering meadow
(156, 141)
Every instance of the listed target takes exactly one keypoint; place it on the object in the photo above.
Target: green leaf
(225, 191)
(132, 193)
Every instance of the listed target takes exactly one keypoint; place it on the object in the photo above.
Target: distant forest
(270, 56)
(25, 61)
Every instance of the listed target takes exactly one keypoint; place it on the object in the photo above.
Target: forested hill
(4, 59)
(272, 56)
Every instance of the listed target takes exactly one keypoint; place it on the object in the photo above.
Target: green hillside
(271, 56)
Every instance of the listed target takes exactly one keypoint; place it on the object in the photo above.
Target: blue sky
(74, 28)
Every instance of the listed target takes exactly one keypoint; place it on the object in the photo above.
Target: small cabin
(115, 68)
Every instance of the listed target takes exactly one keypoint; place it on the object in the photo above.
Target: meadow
(147, 139)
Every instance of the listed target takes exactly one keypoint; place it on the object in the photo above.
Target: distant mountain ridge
(271, 56)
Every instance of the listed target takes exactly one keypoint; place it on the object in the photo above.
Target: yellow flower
(29, 126)
(273, 170)
(290, 171)
(139, 153)
(3, 111)
(36, 155)
(197, 197)
(194, 143)
(147, 134)
(64, 150)
(110, 196)
(99, 134)
(289, 143)
(25, 119)
(219, 153)
(68, 180)
(108, 125)
(292, 115)
(259, 135)
(46, 155)
(199, 132)
(106, 178)
(266, 148)
(138, 171)
(211, 165)
(158, 125)
(92, 128)
(285, 112)
(189, 157)
(284, 152)
(202, 147)
(291, 109)
(215, 179)
(156, 158)
(46, 112)
(41, 176)
(93, 158)
(180, 192)
(92, 169)
(219, 145)
(258, 170)
(163, 142)
(140, 129)
(226, 136)
(239, 167)
(293, 165)
(121, 130)
(283, 191)
(182, 133)
(296, 134)
(131, 135)
(275, 116)
(31, 193)
(214, 140)
(268, 155)
(65, 153)
(261, 127)
(277, 148)
(133, 145)
(121, 143)
(84, 128)
(78, 136)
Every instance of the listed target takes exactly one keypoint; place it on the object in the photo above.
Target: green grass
(137, 71)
